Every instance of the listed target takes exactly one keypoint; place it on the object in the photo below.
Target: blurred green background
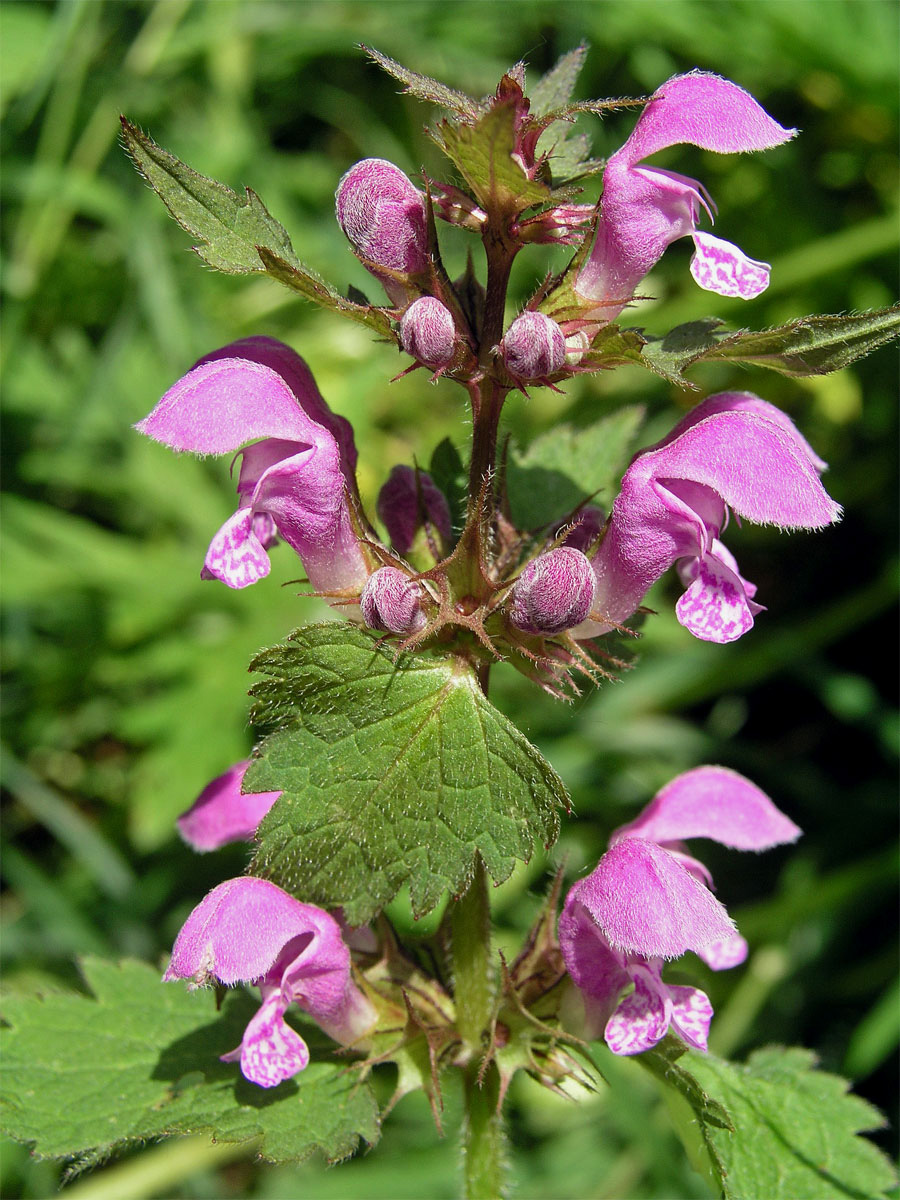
(126, 676)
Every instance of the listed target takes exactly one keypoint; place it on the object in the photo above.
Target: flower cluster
(472, 584)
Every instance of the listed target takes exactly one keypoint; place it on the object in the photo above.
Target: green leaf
(231, 227)
(681, 347)
(482, 152)
(425, 88)
(447, 470)
(238, 234)
(815, 345)
(789, 1131)
(564, 466)
(554, 89)
(309, 286)
(392, 772)
(569, 150)
(663, 1062)
(139, 1059)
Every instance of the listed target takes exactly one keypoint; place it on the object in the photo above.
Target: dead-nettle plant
(382, 764)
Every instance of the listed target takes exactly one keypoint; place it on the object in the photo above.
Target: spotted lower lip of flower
(295, 481)
(644, 209)
(248, 930)
(733, 451)
(222, 813)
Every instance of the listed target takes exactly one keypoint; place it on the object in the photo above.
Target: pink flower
(222, 813)
(647, 900)
(644, 209)
(295, 482)
(249, 931)
(732, 451)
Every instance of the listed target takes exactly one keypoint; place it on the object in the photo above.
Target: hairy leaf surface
(776, 1126)
(139, 1059)
(393, 771)
(815, 345)
(238, 234)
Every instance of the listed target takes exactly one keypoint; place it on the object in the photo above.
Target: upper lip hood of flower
(644, 209)
(711, 802)
(295, 480)
(644, 902)
(238, 931)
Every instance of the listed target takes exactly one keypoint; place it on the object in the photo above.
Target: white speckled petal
(719, 266)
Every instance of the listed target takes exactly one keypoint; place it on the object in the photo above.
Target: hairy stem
(486, 405)
(484, 1159)
(473, 972)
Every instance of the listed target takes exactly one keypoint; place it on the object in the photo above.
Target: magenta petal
(304, 494)
(692, 1014)
(707, 111)
(222, 813)
(749, 403)
(235, 555)
(714, 608)
(270, 1050)
(238, 932)
(224, 402)
(643, 1018)
(593, 966)
(644, 902)
(749, 460)
(719, 266)
(712, 802)
(734, 450)
(642, 211)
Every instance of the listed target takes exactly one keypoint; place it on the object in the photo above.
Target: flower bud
(383, 215)
(554, 592)
(534, 346)
(427, 332)
(407, 500)
(392, 602)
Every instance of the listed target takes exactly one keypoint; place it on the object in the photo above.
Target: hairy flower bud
(392, 602)
(427, 332)
(554, 592)
(534, 346)
(407, 500)
(383, 215)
